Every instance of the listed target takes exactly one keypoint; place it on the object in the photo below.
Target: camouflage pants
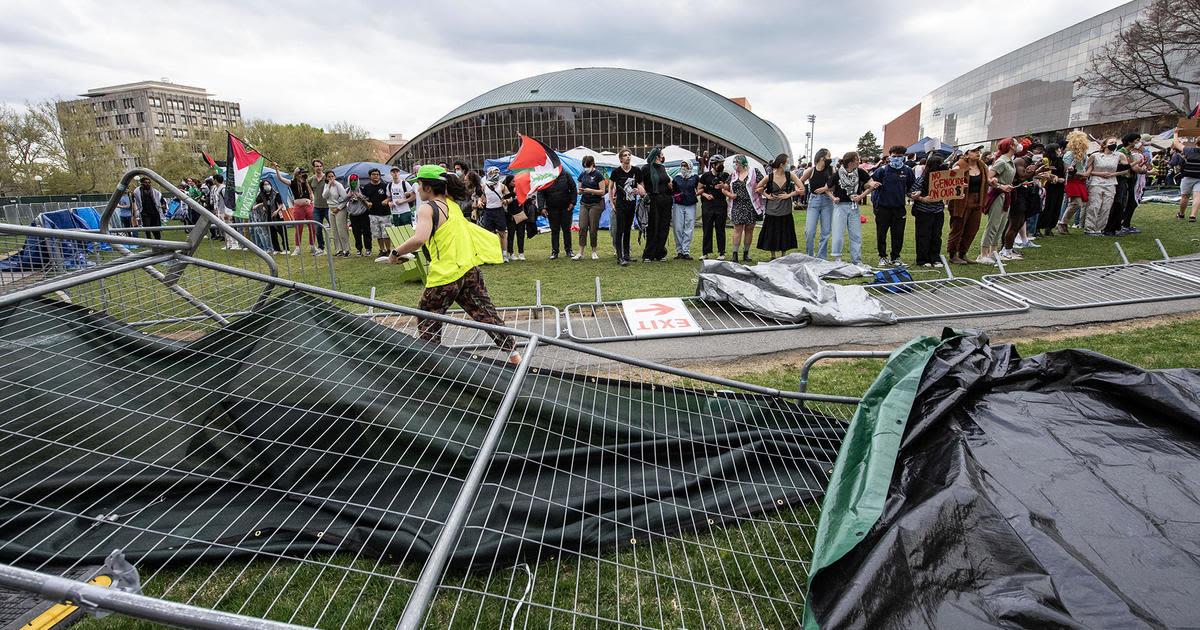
(471, 294)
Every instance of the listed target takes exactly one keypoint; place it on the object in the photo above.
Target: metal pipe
(1121, 251)
(946, 266)
(537, 289)
(1162, 249)
(89, 236)
(516, 332)
(836, 354)
(999, 263)
(598, 298)
(91, 597)
(439, 555)
(91, 275)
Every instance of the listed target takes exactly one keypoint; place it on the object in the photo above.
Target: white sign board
(658, 317)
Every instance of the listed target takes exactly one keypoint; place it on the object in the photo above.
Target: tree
(27, 150)
(76, 150)
(868, 148)
(1150, 67)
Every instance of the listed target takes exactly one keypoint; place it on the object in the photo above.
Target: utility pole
(812, 129)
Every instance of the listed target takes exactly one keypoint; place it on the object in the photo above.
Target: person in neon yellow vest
(456, 249)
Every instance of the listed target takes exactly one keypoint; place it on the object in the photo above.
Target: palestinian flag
(1195, 112)
(213, 165)
(245, 171)
(536, 166)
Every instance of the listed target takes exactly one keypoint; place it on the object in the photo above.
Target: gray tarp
(790, 291)
(834, 269)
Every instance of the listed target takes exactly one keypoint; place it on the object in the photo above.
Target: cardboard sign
(946, 185)
(1188, 131)
(658, 317)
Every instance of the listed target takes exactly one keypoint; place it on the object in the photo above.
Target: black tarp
(303, 428)
(1057, 491)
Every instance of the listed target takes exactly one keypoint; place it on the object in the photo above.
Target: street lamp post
(812, 129)
(38, 180)
(808, 145)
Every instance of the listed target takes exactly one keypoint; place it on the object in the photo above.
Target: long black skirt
(778, 234)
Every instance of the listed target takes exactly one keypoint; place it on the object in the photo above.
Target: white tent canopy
(751, 162)
(674, 154)
(605, 159)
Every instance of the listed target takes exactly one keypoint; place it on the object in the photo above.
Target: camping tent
(753, 163)
(674, 154)
(570, 164)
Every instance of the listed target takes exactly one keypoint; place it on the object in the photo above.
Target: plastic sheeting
(977, 489)
(790, 290)
(133, 433)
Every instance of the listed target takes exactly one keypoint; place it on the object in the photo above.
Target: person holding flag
(457, 247)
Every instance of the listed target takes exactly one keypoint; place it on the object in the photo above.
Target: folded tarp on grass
(977, 489)
(304, 429)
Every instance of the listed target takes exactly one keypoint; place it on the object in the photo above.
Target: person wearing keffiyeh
(657, 187)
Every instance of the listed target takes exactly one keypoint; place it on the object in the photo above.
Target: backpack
(892, 277)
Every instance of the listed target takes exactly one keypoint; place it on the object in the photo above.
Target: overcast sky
(856, 65)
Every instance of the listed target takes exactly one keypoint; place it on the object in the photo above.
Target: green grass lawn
(591, 586)
(566, 281)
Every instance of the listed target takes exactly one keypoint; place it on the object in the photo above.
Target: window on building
(171, 118)
(122, 119)
(101, 120)
(236, 112)
(158, 131)
(162, 117)
(141, 117)
(127, 103)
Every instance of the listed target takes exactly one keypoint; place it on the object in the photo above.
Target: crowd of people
(1020, 192)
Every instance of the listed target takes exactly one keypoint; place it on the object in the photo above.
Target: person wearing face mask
(890, 186)
(657, 188)
(335, 197)
(1101, 171)
(1000, 178)
(491, 215)
(928, 215)
(849, 188)
(820, 178)
(592, 187)
(267, 201)
(714, 206)
(623, 191)
(1125, 194)
(683, 211)
(745, 205)
(360, 222)
(966, 213)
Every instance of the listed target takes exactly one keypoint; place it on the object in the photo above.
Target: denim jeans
(820, 209)
(683, 220)
(845, 219)
(320, 215)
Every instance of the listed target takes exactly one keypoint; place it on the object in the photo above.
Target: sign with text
(1188, 131)
(658, 317)
(946, 185)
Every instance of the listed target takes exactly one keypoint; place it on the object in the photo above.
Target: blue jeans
(820, 209)
(845, 219)
(683, 221)
(320, 215)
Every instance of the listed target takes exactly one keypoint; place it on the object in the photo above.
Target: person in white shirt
(222, 209)
(401, 197)
(335, 196)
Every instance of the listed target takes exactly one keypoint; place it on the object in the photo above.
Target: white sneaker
(319, 252)
(1032, 245)
(937, 265)
(505, 256)
(296, 252)
(520, 256)
(703, 256)
(1018, 245)
(578, 256)
(985, 260)
(595, 256)
(312, 249)
(721, 257)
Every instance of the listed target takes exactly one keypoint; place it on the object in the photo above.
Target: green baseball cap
(430, 171)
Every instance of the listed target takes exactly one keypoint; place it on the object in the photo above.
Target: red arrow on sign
(658, 309)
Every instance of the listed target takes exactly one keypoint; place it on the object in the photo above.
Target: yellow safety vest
(457, 245)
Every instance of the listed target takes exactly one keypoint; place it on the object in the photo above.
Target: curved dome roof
(639, 91)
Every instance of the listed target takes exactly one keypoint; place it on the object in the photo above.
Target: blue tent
(920, 146)
(343, 172)
(37, 252)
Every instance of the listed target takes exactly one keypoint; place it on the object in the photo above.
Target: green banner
(247, 189)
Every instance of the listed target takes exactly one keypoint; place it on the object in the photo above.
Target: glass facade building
(600, 108)
(1031, 90)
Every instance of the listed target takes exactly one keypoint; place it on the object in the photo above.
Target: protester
(124, 213)
(626, 180)
(379, 215)
(302, 204)
(966, 213)
(820, 178)
(745, 205)
(1000, 179)
(147, 206)
(656, 187)
(335, 197)
(714, 206)
(526, 227)
(1055, 187)
(1076, 185)
(1125, 195)
(928, 215)
(893, 184)
(491, 215)
(456, 253)
(592, 187)
(1189, 184)
(401, 199)
(558, 207)
(360, 221)
(320, 205)
(1025, 198)
(850, 187)
(683, 212)
(265, 203)
(1101, 169)
(777, 189)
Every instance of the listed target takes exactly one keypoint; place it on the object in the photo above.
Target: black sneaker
(622, 262)
(554, 255)
(746, 257)
(735, 257)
